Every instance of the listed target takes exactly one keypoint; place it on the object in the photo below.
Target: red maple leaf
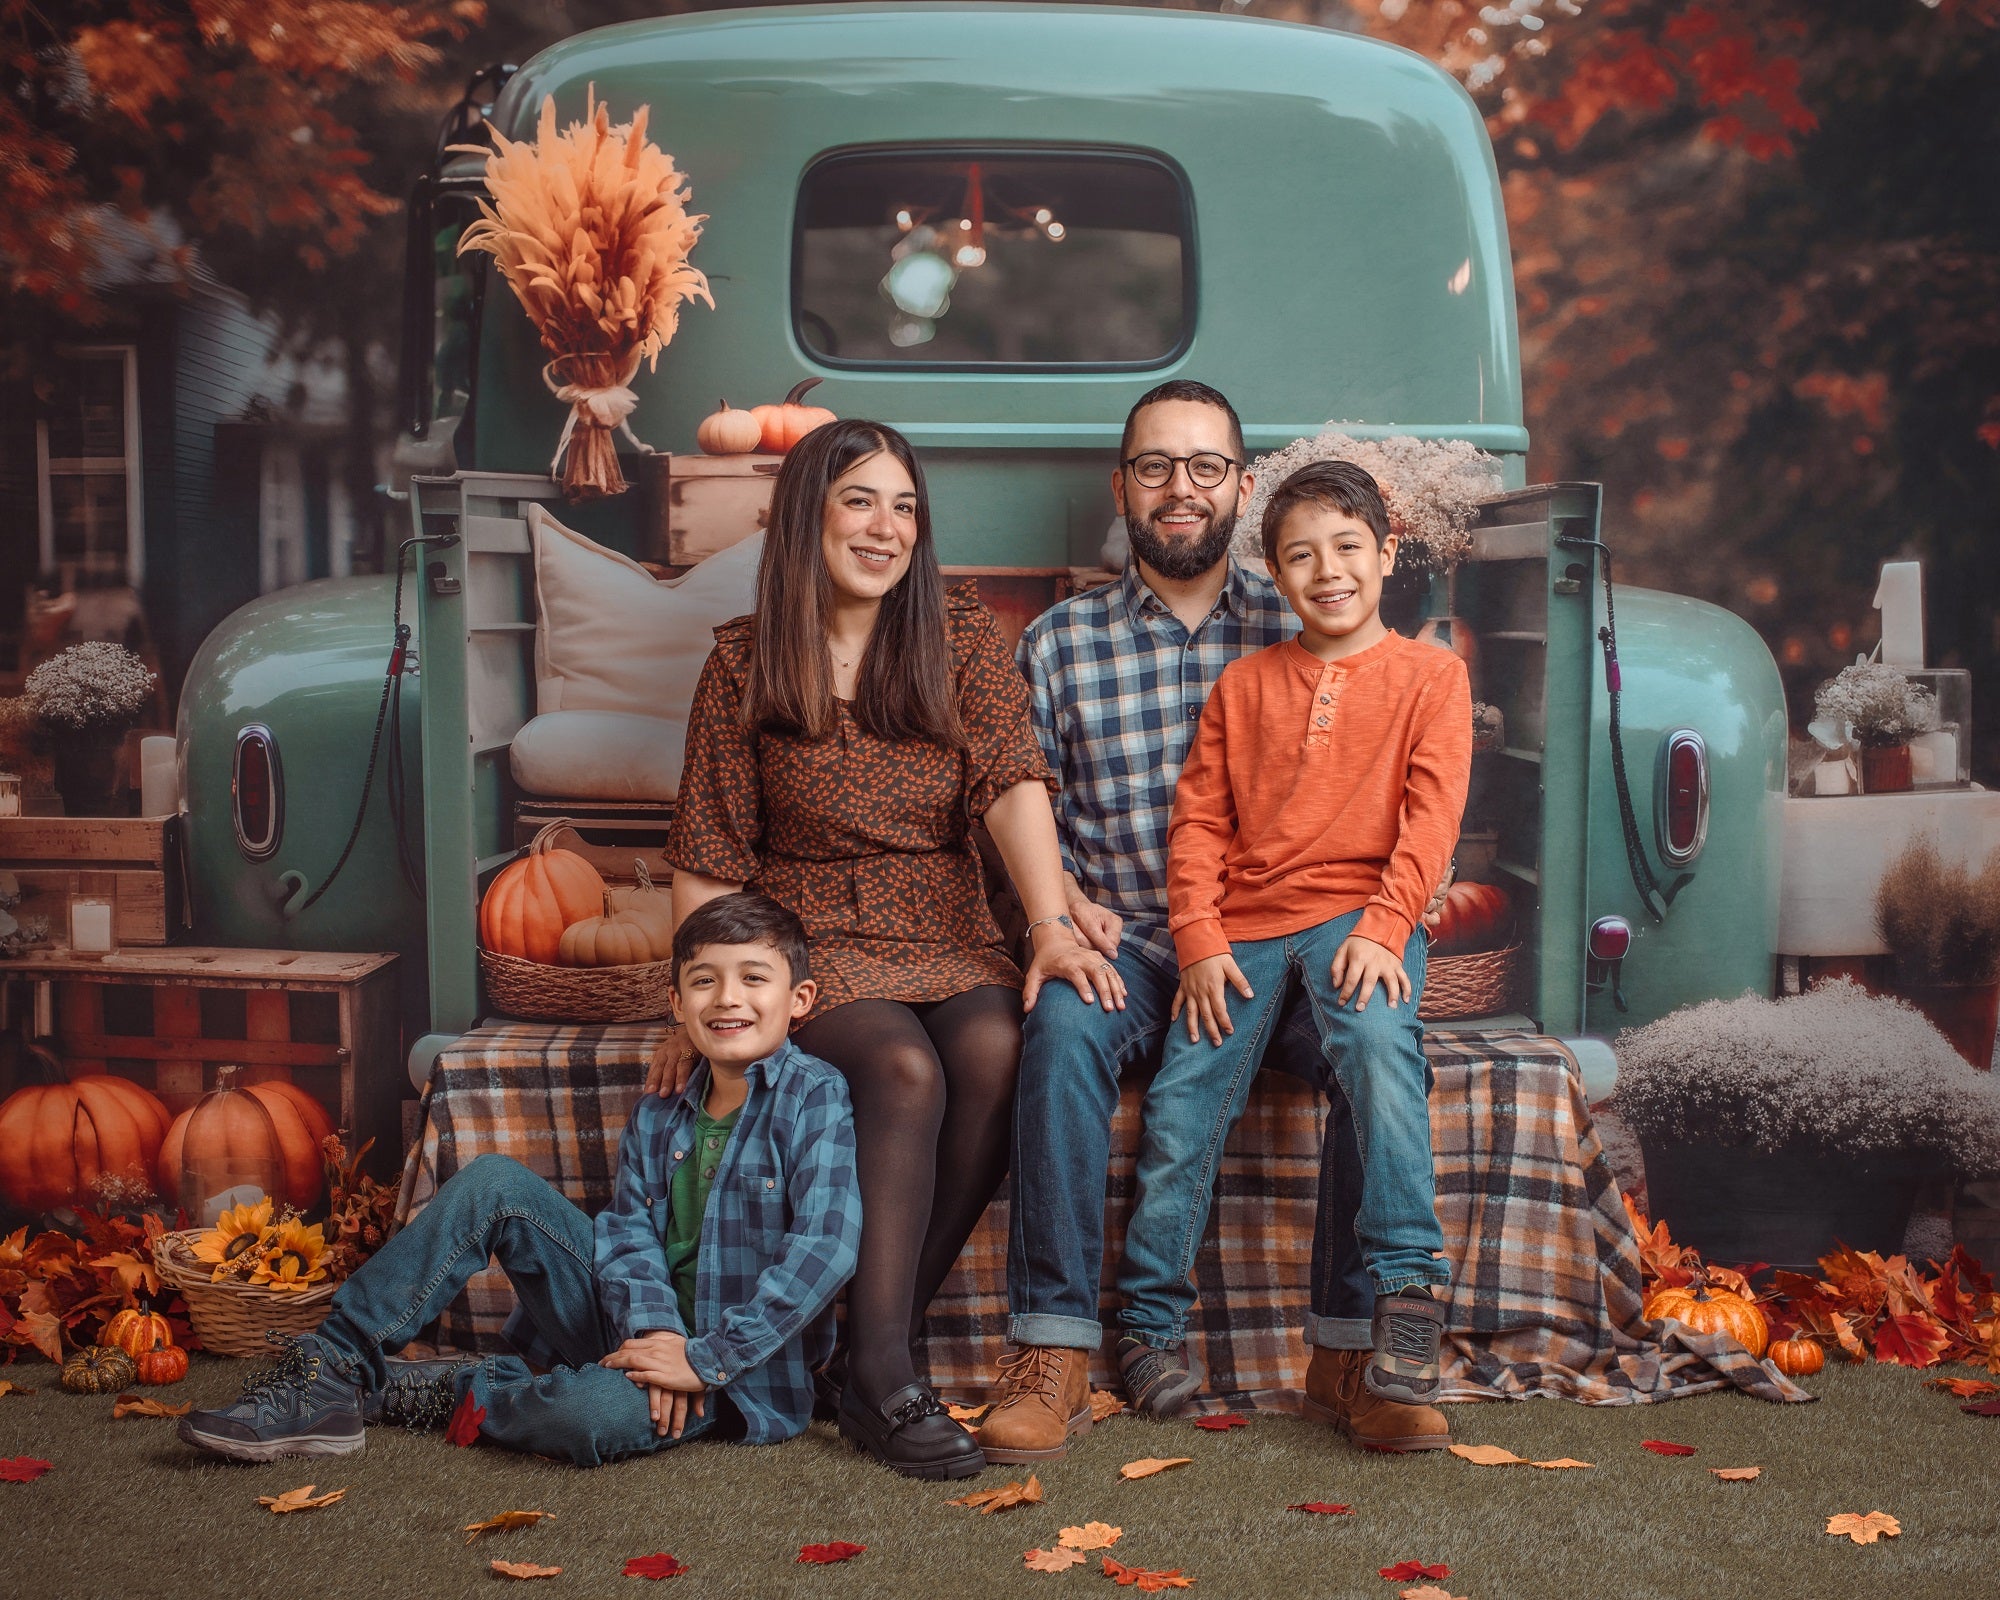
(1660, 1447)
(1325, 1508)
(1985, 1408)
(1222, 1423)
(21, 1469)
(1407, 1571)
(824, 1555)
(1910, 1340)
(660, 1565)
(464, 1426)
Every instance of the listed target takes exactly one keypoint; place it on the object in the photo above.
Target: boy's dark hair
(1183, 389)
(1336, 485)
(745, 917)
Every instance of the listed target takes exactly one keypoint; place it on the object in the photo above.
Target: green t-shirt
(693, 1179)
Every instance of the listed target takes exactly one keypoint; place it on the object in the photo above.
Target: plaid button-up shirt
(777, 1242)
(1116, 686)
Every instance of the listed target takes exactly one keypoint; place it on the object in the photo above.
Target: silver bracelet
(1060, 916)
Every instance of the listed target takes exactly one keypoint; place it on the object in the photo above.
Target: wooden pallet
(136, 861)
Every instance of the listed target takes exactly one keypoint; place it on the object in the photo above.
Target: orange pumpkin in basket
(1797, 1358)
(1475, 917)
(57, 1139)
(532, 900)
(1701, 1309)
(222, 1127)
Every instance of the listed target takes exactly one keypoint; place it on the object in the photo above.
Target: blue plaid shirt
(1116, 685)
(777, 1242)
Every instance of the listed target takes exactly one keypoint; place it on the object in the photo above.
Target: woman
(841, 744)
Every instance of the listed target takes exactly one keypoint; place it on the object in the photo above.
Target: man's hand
(672, 1064)
(1096, 927)
(1359, 964)
(658, 1363)
(1204, 991)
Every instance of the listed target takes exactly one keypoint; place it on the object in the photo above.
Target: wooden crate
(609, 834)
(697, 505)
(135, 860)
(172, 1019)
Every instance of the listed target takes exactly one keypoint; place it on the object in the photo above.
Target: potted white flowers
(1882, 711)
(85, 700)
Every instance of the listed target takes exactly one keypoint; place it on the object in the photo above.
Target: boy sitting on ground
(698, 1303)
(1320, 803)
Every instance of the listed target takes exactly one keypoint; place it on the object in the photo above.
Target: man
(1118, 678)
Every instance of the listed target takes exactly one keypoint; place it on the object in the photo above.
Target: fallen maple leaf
(1864, 1530)
(1091, 1536)
(660, 1565)
(1428, 1591)
(1324, 1508)
(1736, 1474)
(1056, 1560)
(299, 1500)
(132, 1405)
(22, 1469)
(12, 1388)
(824, 1555)
(1488, 1455)
(1660, 1447)
(1964, 1388)
(1103, 1403)
(1146, 1466)
(1910, 1340)
(1222, 1423)
(505, 1519)
(43, 1330)
(522, 1569)
(463, 1429)
(968, 1413)
(1404, 1571)
(1561, 1462)
(989, 1501)
(1985, 1408)
(1147, 1582)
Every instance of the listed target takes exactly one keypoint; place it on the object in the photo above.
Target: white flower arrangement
(88, 686)
(1432, 488)
(1835, 1069)
(1878, 702)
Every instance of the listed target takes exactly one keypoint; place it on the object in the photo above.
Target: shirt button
(770, 1183)
(678, 1154)
(708, 1173)
(1322, 721)
(1326, 699)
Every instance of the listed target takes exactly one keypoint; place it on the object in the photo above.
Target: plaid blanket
(1546, 1286)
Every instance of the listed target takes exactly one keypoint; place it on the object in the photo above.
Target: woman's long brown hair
(904, 687)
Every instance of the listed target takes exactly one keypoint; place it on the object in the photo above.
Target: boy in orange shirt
(1320, 803)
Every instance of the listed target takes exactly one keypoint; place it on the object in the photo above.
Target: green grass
(129, 1511)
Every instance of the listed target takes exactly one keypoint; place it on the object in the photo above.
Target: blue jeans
(496, 1207)
(1071, 1058)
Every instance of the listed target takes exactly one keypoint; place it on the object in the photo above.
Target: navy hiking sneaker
(301, 1406)
(1159, 1382)
(1408, 1328)
(419, 1394)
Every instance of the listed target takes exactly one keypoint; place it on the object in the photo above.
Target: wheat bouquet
(590, 227)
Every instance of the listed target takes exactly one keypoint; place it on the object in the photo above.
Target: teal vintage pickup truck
(1308, 220)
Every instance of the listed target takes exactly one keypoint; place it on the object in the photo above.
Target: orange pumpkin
(274, 1121)
(57, 1139)
(166, 1364)
(1701, 1309)
(617, 939)
(136, 1332)
(532, 900)
(784, 425)
(724, 432)
(1797, 1358)
(1475, 917)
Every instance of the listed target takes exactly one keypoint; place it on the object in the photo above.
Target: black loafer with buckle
(910, 1433)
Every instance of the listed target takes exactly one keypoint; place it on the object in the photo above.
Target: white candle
(159, 781)
(1934, 757)
(1900, 599)
(90, 927)
(10, 795)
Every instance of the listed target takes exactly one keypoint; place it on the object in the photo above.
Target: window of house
(87, 449)
(996, 258)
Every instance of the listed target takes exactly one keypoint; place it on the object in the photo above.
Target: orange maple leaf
(1091, 1536)
(988, 1501)
(13, 1388)
(968, 1414)
(1964, 1388)
(1103, 1403)
(521, 1569)
(1488, 1455)
(1910, 1340)
(132, 1405)
(505, 1519)
(301, 1499)
(1146, 1466)
(1864, 1530)
(1147, 1582)
(1736, 1474)
(1561, 1462)
(1056, 1560)
(1427, 1591)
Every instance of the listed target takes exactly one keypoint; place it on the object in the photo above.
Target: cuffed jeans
(495, 1207)
(1071, 1059)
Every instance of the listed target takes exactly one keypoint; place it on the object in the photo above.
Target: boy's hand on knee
(671, 1409)
(1359, 964)
(1204, 991)
(658, 1362)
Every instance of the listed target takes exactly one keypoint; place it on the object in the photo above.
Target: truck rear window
(961, 258)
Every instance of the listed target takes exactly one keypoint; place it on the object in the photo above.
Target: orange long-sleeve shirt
(1316, 787)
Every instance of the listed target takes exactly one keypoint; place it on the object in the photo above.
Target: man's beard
(1179, 559)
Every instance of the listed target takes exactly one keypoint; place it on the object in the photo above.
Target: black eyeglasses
(1205, 471)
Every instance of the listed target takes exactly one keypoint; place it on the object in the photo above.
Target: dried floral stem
(1432, 488)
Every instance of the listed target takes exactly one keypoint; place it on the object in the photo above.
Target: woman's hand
(1059, 958)
(1359, 964)
(1204, 991)
(672, 1064)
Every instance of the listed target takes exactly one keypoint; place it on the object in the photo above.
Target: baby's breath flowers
(1879, 702)
(1432, 488)
(93, 685)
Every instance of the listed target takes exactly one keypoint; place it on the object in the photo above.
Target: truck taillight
(1680, 797)
(256, 793)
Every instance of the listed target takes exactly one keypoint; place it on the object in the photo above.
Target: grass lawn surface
(128, 1510)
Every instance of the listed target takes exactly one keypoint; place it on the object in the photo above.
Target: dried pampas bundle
(590, 227)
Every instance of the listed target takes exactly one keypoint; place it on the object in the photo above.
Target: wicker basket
(1477, 985)
(638, 993)
(232, 1317)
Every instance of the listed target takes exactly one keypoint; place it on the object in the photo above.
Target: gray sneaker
(300, 1406)
(419, 1394)
(1407, 1330)
(1160, 1382)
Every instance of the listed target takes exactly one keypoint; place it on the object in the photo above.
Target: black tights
(933, 1092)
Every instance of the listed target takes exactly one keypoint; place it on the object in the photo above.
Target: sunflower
(240, 1231)
(294, 1259)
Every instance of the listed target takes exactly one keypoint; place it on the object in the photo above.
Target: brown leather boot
(1336, 1396)
(1044, 1402)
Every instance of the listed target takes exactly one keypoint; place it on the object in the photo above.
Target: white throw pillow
(599, 755)
(612, 637)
